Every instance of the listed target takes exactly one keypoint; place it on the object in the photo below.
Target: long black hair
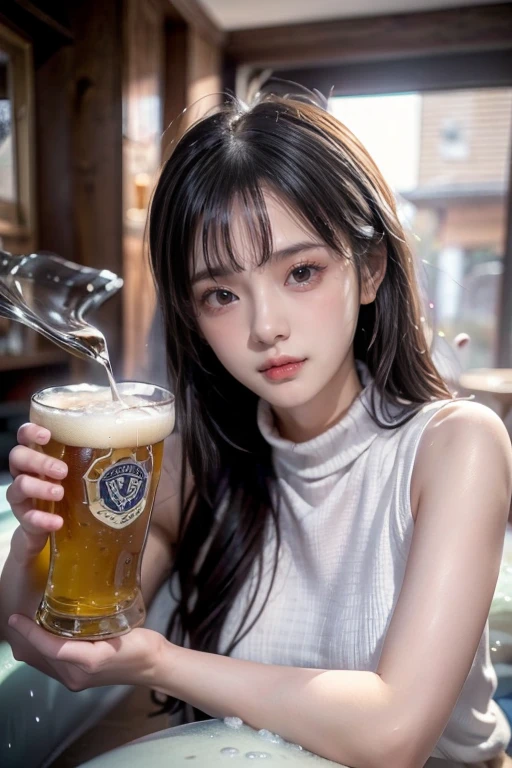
(314, 163)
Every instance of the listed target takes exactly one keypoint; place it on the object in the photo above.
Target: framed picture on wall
(16, 136)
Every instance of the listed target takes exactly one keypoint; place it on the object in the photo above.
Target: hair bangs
(214, 237)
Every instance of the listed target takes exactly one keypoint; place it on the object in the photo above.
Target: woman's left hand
(127, 660)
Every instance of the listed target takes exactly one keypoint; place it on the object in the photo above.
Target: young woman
(331, 518)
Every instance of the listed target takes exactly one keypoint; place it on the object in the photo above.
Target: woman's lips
(286, 371)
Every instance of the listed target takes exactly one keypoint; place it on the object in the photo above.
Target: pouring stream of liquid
(52, 296)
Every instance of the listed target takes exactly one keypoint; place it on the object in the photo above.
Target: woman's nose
(269, 321)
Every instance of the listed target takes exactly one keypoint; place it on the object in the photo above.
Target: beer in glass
(114, 455)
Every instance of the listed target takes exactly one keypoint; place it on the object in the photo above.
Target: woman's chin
(288, 395)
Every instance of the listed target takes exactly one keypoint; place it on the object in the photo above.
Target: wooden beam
(54, 108)
(455, 30)
(426, 73)
(175, 81)
(49, 21)
(195, 15)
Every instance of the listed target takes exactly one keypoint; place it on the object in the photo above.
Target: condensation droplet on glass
(37, 719)
(230, 751)
(422, 319)
(497, 642)
(9, 746)
(90, 287)
(431, 305)
(32, 694)
(441, 334)
(56, 279)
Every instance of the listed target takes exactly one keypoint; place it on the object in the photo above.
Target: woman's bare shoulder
(464, 440)
(462, 419)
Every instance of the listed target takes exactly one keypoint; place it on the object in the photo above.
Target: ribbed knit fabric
(346, 523)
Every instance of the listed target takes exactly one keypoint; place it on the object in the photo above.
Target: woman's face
(302, 304)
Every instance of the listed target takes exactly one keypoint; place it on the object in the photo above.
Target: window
(446, 156)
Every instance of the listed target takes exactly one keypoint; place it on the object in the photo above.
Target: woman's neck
(325, 410)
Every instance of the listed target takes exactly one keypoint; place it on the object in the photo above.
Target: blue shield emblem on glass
(123, 486)
(117, 493)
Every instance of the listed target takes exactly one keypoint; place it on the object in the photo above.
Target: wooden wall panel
(143, 125)
(177, 66)
(204, 72)
(96, 166)
(54, 103)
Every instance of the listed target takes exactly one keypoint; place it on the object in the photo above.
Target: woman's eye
(304, 274)
(218, 298)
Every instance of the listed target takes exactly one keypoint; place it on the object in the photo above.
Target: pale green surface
(502, 600)
(199, 745)
(38, 714)
(3, 502)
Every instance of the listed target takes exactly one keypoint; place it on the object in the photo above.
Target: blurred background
(92, 95)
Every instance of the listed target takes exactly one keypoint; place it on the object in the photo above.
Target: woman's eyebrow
(282, 253)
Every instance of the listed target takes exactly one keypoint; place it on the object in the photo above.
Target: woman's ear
(373, 272)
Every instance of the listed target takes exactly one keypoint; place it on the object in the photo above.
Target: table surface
(208, 744)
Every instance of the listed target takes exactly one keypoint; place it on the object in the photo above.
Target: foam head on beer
(84, 415)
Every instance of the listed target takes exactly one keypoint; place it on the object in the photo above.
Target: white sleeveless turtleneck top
(346, 529)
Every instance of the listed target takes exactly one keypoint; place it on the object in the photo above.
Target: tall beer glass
(114, 455)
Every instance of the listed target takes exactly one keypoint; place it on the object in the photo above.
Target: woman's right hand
(36, 477)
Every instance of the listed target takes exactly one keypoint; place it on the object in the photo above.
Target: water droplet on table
(257, 755)
(233, 722)
(229, 751)
(269, 736)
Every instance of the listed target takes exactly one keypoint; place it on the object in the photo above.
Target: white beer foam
(85, 416)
